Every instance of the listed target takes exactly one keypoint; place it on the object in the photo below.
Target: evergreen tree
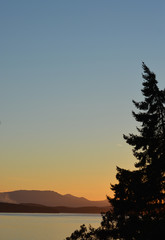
(140, 194)
(138, 211)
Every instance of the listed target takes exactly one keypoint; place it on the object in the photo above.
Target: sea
(27, 226)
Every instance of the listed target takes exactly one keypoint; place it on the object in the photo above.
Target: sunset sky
(69, 70)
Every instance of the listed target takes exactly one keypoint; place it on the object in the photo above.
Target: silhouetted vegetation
(38, 208)
(138, 205)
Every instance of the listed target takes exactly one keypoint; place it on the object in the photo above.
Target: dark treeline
(37, 208)
(138, 205)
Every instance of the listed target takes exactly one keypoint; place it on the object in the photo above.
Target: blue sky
(69, 70)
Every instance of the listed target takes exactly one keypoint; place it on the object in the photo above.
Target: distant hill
(34, 208)
(49, 198)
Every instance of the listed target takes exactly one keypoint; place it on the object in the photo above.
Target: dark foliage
(139, 196)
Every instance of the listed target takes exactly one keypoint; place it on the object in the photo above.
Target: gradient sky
(69, 70)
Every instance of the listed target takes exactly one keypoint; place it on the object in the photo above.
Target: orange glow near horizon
(89, 177)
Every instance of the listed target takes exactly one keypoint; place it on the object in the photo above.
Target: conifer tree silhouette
(138, 205)
(140, 194)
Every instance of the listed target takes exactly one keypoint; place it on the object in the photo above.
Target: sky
(69, 70)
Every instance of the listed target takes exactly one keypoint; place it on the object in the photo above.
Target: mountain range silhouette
(49, 198)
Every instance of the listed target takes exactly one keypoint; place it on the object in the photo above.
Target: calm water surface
(20, 226)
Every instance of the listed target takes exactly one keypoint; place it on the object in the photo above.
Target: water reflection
(20, 226)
